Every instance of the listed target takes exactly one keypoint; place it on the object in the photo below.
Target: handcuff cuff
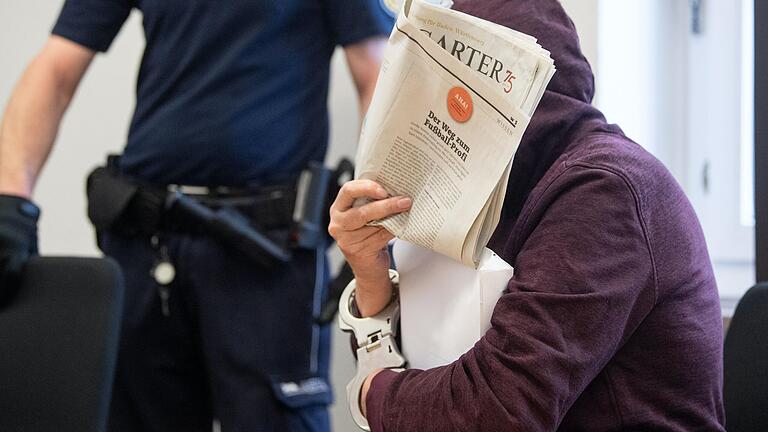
(375, 337)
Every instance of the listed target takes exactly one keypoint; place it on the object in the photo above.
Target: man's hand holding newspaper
(365, 246)
(453, 99)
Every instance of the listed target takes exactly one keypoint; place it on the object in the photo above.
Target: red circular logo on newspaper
(459, 104)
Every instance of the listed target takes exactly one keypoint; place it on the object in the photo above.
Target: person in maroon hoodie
(612, 319)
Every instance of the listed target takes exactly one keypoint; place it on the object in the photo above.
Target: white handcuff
(375, 338)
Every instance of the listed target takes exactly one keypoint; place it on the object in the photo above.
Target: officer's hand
(18, 241)
(365, 247)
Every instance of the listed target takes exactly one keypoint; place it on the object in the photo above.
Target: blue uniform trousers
(235, 341)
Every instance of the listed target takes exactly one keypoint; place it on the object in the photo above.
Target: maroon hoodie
(612, 320)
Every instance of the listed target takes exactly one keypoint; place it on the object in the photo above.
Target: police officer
(231, 97)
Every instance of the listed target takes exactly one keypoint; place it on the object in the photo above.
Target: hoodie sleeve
(583, 282)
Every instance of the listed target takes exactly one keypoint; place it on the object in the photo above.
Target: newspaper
(453, 98)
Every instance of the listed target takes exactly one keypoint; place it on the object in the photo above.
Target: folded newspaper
(454, 96)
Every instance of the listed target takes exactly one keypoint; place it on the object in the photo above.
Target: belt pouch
(108, 197)
(119, 204)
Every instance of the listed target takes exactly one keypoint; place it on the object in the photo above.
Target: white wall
(715, 139)
(97, 122)
(585, 15)
(643, 73)
(679, 95)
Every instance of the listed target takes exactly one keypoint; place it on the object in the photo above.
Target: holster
(118, 203)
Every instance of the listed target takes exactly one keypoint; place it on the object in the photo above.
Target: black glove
(18, 241)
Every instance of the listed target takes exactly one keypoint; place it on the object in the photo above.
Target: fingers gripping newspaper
(454, 96)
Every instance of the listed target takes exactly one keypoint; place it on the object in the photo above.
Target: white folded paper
(445, 307)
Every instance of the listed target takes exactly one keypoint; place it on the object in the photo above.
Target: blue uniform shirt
(230, 92)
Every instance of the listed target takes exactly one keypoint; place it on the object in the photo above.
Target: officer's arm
(35, 109)
(364, 60)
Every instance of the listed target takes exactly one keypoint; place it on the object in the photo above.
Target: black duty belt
(264, 223)
(238, 217)
(268, 207)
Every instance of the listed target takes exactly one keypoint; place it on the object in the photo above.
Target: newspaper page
(510, 59)
(442, 127)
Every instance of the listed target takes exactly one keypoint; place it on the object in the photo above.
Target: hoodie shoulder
(667, 217)
(643, 172)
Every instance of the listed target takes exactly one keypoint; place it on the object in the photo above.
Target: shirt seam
(360, 36)
(638, 211)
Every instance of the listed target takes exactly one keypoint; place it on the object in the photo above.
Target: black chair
(746, 364)
(58, 344)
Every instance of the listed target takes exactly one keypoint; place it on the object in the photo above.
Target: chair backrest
(745, 389)
(58, 344)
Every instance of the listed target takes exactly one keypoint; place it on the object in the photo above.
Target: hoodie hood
(565, 114)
